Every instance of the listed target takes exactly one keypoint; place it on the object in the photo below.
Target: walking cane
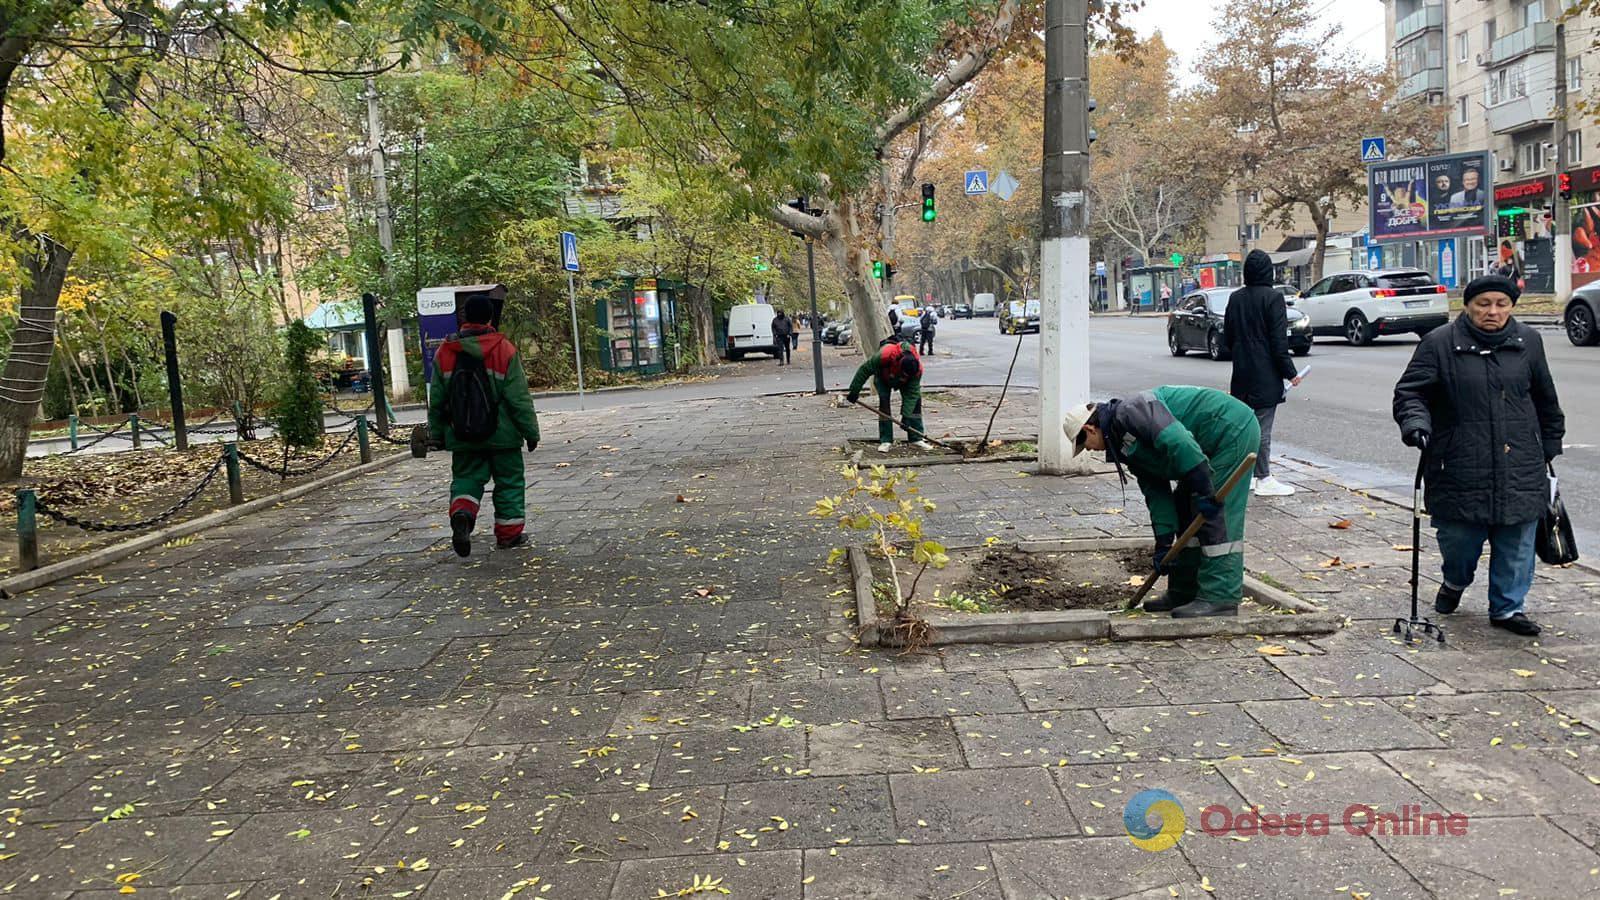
(1417, 623)
(1189, 533)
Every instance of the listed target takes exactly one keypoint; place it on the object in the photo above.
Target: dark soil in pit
(1039, 581)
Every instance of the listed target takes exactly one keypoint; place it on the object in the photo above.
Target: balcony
(1423, 19)
(1520, 43)
(1422, 82)
(1538, 108)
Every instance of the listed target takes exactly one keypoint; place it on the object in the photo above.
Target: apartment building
(1290, 248)
(1493, 63)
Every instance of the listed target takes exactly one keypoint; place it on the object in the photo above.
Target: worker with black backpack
(480, 409)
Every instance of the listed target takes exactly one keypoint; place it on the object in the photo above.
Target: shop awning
(1293, 258)
(336, 315)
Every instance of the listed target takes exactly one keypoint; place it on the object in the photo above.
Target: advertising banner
(1428, 198)
(436, 320)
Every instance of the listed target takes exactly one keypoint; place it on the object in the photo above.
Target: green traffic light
(877, 268)
(928, 213)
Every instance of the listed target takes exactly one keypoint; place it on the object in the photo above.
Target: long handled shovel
(1189, 533)
(909, 430)
(1416, 623)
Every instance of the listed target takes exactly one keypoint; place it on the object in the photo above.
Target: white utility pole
(399, 379)
(1065, 271)
(1561, 223)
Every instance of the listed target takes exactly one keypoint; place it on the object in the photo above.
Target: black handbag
(1554, 542)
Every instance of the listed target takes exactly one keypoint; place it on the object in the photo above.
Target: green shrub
(298, 412)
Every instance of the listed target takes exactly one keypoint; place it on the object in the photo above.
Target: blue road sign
(978, 182)
(569, 251)
(1374, 149)
(1374, 256)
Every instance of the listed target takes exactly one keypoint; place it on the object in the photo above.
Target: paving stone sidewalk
(660, 697)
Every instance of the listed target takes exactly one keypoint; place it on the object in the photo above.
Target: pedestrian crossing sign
(978, 182)
(1374, 149)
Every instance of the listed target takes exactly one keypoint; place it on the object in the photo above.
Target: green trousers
(470, 470)
(1211, 568)
(910, 411)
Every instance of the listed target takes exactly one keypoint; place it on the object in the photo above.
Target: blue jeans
(1510, 560)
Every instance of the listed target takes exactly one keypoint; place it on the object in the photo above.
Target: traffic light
(928, 212)
(1564, 185)
(877, 269)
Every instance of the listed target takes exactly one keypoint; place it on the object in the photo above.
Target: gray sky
(1186, 25)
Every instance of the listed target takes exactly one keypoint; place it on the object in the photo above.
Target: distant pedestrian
(894, 368)
(928, 323)
(1478, 400)
(1511, 265)
(479, 408)
(894, 323)
(1166, 297)
(782, 335)
(1255, 332)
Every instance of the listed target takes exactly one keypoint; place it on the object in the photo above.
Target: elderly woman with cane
(1479, 402)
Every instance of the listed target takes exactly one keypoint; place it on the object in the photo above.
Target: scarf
(1491, 339)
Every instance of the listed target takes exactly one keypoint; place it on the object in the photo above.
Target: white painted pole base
(399, 375)
(1063, 349)
(1563, 267)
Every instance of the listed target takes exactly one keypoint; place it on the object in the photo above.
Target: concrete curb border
(1079, 624)
(94, 559)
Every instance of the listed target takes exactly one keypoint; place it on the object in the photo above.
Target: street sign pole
(816, 322)
(569, 261)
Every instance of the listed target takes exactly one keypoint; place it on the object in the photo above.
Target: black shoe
(461, 533)
(1517, 624)
(517, 541)
(1447, 599)
(1203, 608)
(1167, 602)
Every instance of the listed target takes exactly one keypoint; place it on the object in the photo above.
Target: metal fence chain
(372, 427)
(283, 471)
(67, 518)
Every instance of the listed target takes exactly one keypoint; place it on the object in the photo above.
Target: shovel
(963, 450)
(1189, 533)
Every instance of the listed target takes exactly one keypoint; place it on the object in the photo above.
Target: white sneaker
(922, 445)
(1272, 487)
(885, 448)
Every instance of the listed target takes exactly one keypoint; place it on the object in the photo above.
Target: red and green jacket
(518, 421)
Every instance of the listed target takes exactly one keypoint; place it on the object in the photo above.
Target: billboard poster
(1428, 198)
(1585, 245)
(436, 321)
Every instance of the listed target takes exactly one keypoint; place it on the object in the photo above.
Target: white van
(983, 304)
(750, 330)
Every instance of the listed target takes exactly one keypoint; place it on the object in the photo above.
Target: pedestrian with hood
(479, 408)
(1255, 333)
(894, 368)
(928, 322)
(1478, 400)
(782, 331)
(1179, 442)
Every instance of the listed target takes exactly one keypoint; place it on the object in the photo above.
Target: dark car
(830, 331)
(1018, 317)
(1582, 316)
(1197, 325)
(961, 311)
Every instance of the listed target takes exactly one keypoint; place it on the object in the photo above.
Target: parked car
(1582, 316)
(1019, 317)
(1197, 325)
(845, 334)
(830, 331)
(983, 304)
(961, 311)
(1364, 304)
(910, 324)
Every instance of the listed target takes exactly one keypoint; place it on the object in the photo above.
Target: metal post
(72, 430)
(361, 440)
(577, 341)
(230, 454)
(133, 424)
(380, 405)
(1244, 235)
(27, 531)
(1064, 250)
(1561, 225)
(816, 322)
(169, 340)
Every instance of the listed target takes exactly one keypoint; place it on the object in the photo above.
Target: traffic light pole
(1561, 224)
(1064, 276)
(816, 321)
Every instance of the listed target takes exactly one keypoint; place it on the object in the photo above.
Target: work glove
(435, 440)
(1163, 547)
(1209, 507)
(533, 444)
(1417, 437)
(1198, 481)
(852, 397)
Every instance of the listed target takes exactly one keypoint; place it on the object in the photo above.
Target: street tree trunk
(850, 253)
(22, 382)
(1319, 253)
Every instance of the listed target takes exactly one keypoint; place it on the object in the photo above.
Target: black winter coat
(1494, 422)
(1255, 332)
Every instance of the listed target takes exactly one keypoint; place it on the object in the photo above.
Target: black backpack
(473, 411)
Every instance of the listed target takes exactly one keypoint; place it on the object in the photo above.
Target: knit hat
(1486, 283)
(478, 309)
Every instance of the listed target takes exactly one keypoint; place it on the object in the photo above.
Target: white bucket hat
(1072, 425)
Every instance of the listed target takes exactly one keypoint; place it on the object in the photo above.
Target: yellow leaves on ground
(1273, 650)
(702, 884)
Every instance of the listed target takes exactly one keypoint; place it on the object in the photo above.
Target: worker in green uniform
(480, 410)
(896, 367)
(1179, 442)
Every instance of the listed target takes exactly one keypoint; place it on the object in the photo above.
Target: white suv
(1364, 304)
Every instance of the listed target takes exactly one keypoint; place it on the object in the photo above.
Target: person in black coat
(1255, 332)
(782, 331)
(1479, 402)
